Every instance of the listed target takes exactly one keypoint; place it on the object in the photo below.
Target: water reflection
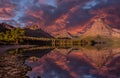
(12, 62)
(76, 63)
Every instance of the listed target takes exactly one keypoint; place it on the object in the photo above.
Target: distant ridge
(4, 27)
(36, 31)
(63, 34)
(32, 31)
(100, 28)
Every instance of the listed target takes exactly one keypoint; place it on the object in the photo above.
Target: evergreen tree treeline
(12, 36)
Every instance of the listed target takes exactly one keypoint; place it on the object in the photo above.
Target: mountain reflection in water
(76, 63)
(37, 62)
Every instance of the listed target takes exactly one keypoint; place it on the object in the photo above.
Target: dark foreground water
(61, 63)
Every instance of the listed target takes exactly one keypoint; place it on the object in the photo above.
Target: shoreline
(4, 48)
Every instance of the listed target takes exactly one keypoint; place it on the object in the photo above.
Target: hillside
(100, 28)
(63, 34)
(4, 27)
(36, 31)
(32, 32)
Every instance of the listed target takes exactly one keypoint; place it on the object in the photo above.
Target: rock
(12, 67)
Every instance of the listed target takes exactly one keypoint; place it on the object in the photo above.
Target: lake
(68, 62)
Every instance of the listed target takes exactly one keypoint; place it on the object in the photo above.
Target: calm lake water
(61, 63)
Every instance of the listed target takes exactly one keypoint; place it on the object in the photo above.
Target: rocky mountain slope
(100, 28)
(63, 34)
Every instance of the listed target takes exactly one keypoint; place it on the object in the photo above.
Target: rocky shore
(12, 66)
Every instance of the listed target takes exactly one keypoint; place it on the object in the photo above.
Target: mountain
(66, 14)
(4, 27)
(100, 28)
(32, 31)
(63, 34)
(35, 31)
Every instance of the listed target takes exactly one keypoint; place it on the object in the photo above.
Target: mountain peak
(36, 31)
(99, 20)
(4, 27)
(33, 27)
(63, 34)
(100, 28)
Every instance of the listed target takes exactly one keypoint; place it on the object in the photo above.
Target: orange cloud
(6, 10)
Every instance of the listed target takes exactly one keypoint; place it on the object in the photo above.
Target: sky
(57, 15)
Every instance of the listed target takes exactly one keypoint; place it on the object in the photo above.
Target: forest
(13, 36)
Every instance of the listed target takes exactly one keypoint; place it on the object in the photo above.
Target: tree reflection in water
(61, 63)
(83, 63)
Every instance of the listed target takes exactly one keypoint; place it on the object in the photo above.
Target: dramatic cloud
(6, 10)
(29, 10)
(57, 15)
